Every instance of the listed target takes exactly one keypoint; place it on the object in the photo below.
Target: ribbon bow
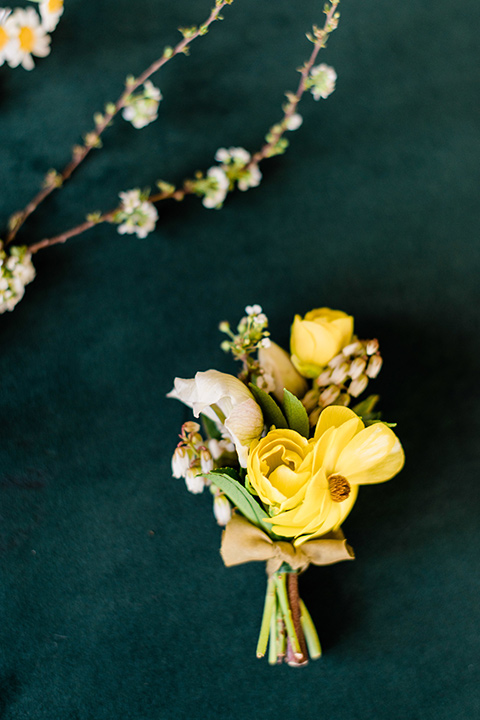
(243, 542)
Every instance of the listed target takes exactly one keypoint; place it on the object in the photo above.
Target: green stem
(266, 619)
(272, 648)
(310, 632)
(280, 583)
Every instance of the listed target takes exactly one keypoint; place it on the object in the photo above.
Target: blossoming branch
(138, 104)
(284, 456)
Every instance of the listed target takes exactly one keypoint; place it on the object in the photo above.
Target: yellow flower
(317, 338)
(311, 485)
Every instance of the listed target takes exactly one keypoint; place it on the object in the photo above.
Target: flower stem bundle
(287, 457)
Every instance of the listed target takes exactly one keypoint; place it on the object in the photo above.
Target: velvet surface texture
(114, 599)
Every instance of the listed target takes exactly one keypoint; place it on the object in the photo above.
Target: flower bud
(357, 367)
(340, 374)
(310, 400)
(329, 395)
(222, 509)
(353, 349)
(190, 427)
(180, 461)
(194, 482)
(358, 385)
(374, 366)
(336, 361)
(372, 346)
(206, 460)
(324, 378)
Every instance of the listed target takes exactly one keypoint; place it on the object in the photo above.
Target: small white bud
(180, 462)
(190, 427)
(336, 361)
(324, 378)
(372, 346)
(329, 395)
(310, 400)
(294, 121)
(222, 510)
(194, 482)
(374, 366)
(357, 367)
(358, 385)
(206, 460)
(340, 374)
(353, 348)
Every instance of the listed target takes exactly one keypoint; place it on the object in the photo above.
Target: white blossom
(16, 271)
(194, 482)
(321, 81)
(214, 188)
(222, 509)
(136, 214)
(51, 11)
(141, 109)
(28, 37)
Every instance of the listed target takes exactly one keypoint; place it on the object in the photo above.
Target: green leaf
(367, 406)
(272, 413)
(296, 414)
(227, 480)
(210, 428)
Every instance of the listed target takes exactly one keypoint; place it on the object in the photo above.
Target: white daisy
(30, 36)
(51, 11)
(6, 39)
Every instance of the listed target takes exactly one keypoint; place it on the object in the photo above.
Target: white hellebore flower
(142, 109)
(136, 214)
(228, 402)
(217, 184)
(321, 81)
(51, 12)
(30, 38)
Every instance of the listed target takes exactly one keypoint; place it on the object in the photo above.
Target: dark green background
(115, 603)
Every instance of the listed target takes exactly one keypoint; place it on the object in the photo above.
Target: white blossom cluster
(195, 456)
(136, 215)
(252, 333)
(321, 81)
(141, 108)
(16, 271)
(346, 376)
(24, 32)
(236, 168)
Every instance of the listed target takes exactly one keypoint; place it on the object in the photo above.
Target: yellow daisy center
(339, 488)
(54, 6)
(26, 38)
(3, 38)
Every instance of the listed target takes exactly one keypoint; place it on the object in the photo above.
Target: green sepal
(272, 413)
(228, 481)
(296, 414)
(210, 428)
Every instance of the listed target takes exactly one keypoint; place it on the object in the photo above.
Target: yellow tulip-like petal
(373, 456)
(317, 338)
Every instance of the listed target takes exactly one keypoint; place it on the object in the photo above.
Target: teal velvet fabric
(114, 599)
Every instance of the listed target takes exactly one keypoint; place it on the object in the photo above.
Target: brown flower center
(339, 488)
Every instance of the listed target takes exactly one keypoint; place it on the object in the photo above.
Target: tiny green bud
(167, 52)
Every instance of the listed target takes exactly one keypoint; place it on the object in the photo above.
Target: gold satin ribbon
(243, 542)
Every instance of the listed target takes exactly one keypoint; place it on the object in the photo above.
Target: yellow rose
(311, 485)
(316, 339)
